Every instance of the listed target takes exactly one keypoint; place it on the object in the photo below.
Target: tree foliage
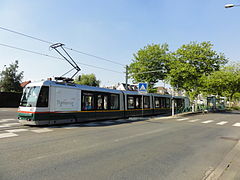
(190, 63)
(225, 82)
(87, 79)
(183, 68)
(11, 79)
(150, 64)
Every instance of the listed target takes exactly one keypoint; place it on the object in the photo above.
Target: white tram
(51, 102)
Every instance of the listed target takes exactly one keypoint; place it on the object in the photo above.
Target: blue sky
(111, 29)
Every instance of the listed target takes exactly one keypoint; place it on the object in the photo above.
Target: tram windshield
(30, 96)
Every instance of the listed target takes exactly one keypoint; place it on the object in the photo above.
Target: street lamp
(231, 5)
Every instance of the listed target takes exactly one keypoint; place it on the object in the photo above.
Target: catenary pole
(126, 85)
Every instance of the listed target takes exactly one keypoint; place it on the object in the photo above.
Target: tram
(52, 102)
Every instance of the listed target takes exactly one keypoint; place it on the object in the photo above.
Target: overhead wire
(149, 72)
(22, 34)
(46, 55)
(48, 42)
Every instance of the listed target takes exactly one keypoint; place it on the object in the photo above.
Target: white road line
(237, 125)
(3, 126)
(206, 122)
(183, 119)
(11, 124)
(167, 117)
(194, 120)
(16, 130)
(222, 123)
(3, 121)
(9, 119)
(70, 127)
(6, 135)
(42, 130)
(6, 120)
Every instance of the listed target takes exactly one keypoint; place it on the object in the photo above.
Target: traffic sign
(142, 87)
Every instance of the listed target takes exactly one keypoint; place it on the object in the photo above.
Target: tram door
(88, 112)
(102, 105)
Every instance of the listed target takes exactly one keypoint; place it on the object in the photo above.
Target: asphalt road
(181, 148)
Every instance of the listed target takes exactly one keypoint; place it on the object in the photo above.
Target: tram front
(34, 104)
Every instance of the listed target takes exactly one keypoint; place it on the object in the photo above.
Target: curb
(175, 116)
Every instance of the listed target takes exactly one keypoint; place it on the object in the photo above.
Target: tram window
(146, 102)
(179, 103)
(138, 102)
(105, 102)
(163, 102)
(130, 102)
(87, 101)
(167, 103)
(114, 101)
(99, 101)
(157, 102)
(30, 96)
(43, 97)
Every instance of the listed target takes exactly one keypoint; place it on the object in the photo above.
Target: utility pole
(126, 85)
(173, 103)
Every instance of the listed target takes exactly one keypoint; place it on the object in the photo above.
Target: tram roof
(72, 86)
(92, 88)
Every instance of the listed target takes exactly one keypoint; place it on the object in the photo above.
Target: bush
(234, 108)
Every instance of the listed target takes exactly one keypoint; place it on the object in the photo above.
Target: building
(162, 90)
(131, 87)
(23, 84)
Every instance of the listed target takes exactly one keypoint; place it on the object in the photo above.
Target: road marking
(2, 121)
(6, 135)
(11, 124)
(194, 120)
(237, 125)
(183, 119)
(41, 130)
(16, 130)
(6, 120)
(9, 119)
(3, 126)
(222, 123)
(206, 122)
(70, 127)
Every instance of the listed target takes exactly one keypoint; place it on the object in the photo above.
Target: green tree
(87, 79)
(190, 63)
(11, 79)
(150, 64)
(225, 82)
